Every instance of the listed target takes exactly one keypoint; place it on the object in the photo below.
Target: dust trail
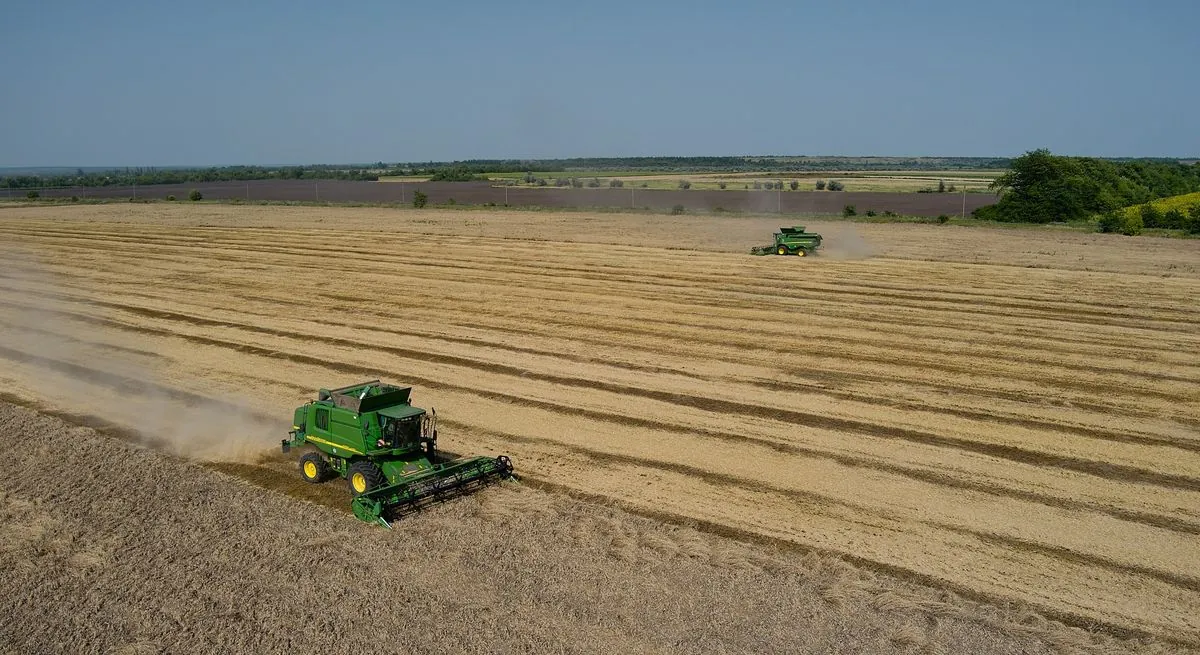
(844, 242)
(120, 377)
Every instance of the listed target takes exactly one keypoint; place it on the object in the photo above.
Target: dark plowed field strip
(1024, 433)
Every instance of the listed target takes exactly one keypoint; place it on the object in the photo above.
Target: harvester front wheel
(364, 476)
(313, 468)
(781, 250)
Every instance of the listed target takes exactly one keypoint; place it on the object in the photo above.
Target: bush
(889, 213)
(757, 184)
(677, 210)
(1150, 215)
(576, 183)
(942, 219)
(33, 195)
(1112, 221)
(941, 186)
(720, 185)
(171, 198)
(1193, 225)
(616, 184)
(541, 181)
(1133, 226)
(562, 181)
(420, 199)
(195, 195)
(870, 212)
(684, 184)
(794, 185)
(594, 183)
(951, 188)
(1174, 219)
(849, 211)
(834, 185)
(820, 185)
(74, 198)
(452, 202)
(927, 189)
(529, 178)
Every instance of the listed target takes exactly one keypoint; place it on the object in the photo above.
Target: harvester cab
(791, 241)
(372, 435)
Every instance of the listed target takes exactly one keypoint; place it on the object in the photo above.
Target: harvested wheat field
(929, 439)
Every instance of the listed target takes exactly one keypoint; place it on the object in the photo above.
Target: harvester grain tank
(371, 435)
(791, 241)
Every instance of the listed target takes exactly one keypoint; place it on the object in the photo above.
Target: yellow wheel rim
(359, 482)
(310, 470)
(782, 251)
(800, 252)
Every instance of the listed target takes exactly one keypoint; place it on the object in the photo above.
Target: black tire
(313, 468)
(781, 250)
(371, 477)
(801, 252)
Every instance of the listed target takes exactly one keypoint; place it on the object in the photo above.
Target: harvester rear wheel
(801, 252)
(313, 468)
(781, 250)
(364, 476)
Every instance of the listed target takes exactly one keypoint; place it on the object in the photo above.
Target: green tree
(820, 185)
(1133, 226)
(849, 211)
(941, 186)
(1151, 216)
(419, 199)
(684, 184)
(794, 184)
(195, 195)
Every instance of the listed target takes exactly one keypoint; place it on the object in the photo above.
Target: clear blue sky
(271, 82)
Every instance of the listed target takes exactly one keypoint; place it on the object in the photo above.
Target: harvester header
(371, 435)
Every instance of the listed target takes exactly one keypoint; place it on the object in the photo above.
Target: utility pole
(964, 209)
(632, 204)
(247, 191)
(505, 195)
(779, 196)
(317, 191)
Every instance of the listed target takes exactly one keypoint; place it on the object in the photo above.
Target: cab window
(323, 419)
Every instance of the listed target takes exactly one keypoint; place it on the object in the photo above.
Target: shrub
(941, 186)
(720, 185)
(718, 210)
(834, 185)
(562, 181)
(1133, 226)
(794, 184)
(420, 199)
(195, 195)
(820, 185)
(452, 202)
(576, 183)
(757, 184)
(951, 188)
(1193, 226)
(1112, 221)
(74, 198)
(849, 211)
(541, 181)
(684, 184)
(927, 189)
(677, 210)
(616, 184)
(942, 219)
(889, 213)
(1174, 219)
(171, 198)
(870, 212)
(33, 195)
(529, 178)
(1150, 215)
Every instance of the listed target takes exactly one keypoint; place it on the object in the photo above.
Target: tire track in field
(1084, 466)
(998, 309)
(411, 354)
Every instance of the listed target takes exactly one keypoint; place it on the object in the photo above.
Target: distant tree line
(148, 176)
(1041, 187)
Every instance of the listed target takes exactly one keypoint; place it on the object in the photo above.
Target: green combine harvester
(371, 435)
(790, 241)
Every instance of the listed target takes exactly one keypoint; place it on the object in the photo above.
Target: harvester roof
(400, 411)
